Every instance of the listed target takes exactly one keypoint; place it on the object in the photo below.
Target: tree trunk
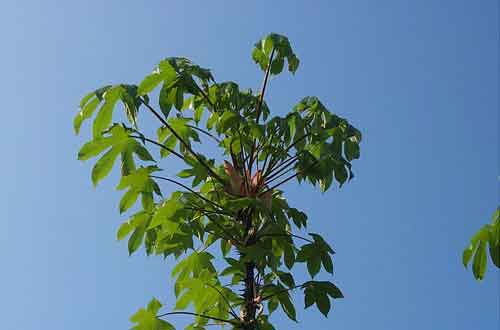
(248, 310)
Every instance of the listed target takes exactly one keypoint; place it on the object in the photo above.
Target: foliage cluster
(232, 201)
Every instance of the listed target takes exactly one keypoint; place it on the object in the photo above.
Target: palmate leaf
(88, 104)
(117, 142)
(486, 239)
(320, 293)
(146, 319)
(262, 52)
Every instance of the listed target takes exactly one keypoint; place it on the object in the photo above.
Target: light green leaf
(105, 114)
(85, 113)
(94, 148)
(135, 240)
(125, 229)
(104, 165)
(128, 199)
(479, 263)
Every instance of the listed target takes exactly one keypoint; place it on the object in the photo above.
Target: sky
(418, 78)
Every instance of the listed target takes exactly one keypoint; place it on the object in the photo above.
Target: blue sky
(419, 78)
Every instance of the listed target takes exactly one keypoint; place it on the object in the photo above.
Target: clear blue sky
(419, 78)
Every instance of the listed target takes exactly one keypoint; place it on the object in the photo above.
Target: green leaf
(124, 230)
(331, 289)
(227, 121)
(104, 165)
(128, 199)
(105, 114)
(283, 50)
(146, 319)
(94, 148)
(287, 279)
(287, 306)
(495, 254)
(143, 153)
(479, 263)
(309, 297)
(135, 240)
(154, 306)
(323, 303)
(351, 149)
(85, 113)
(289, 257)
(149, 83)
(313, 265)
(327, 262)
(225, 247)
(164, 73)
(272, 305)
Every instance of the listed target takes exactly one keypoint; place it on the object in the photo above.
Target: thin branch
(297, 141)
(293, 176)
(208, 211)
(216, 139)
(243, 160)
(287, 235)
(198, 315)
(272, 163)
(221, 227)
(281, 175)
(187, 188)
(233, 313)
(264, 84)
(159, 145)
(269, 141)
(205, 96)
(281, 167)
(186, 145)
(282, 291)
(259, 105)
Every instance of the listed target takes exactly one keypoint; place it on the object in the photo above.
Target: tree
(231, 202)
(488, 237)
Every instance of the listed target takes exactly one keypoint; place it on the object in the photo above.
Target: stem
(186, 145)
(282, 291)
(281, 167)
(208, 211)
(199, 315)
(232, 312)
(224, 231)
(187, 188)
(204, 132)
(159, 145)
(249, 309)
(259, 105)
(287, 235)
(279, 176)
(264, 84)
(292, 176)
